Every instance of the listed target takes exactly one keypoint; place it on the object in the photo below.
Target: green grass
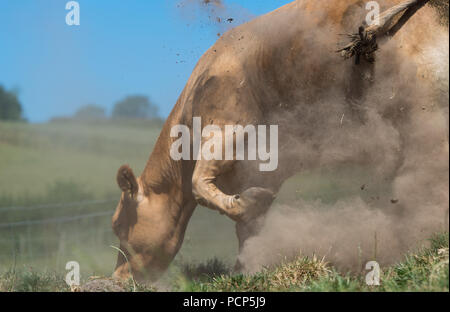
(425, 270)
(288, 276)
(33, 156)
(30, 281)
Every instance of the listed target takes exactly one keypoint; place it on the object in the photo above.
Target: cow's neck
(172, 180)
(162, 173)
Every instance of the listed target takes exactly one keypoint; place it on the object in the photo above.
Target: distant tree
(135, 106)
(90, 112)
(10, 107)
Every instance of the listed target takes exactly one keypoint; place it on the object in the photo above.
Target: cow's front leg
(244, 231)
(241, 207)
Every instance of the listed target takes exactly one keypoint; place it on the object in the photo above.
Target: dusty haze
(391, 120)
(402, 141)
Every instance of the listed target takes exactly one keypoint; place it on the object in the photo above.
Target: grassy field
(426, 270)
(58, 192)
(57, 171)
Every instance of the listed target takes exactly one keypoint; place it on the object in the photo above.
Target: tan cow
(279, 69)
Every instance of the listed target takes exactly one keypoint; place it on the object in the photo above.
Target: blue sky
(121, 47)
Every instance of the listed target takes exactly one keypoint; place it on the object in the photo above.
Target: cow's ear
(127, 181)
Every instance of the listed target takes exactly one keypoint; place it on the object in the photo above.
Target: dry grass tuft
(298, 272)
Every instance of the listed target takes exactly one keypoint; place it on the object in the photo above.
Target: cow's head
(143, 222)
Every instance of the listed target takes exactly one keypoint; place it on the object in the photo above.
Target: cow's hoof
(251, 203)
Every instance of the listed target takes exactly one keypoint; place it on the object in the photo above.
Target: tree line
(10, 107)
(130, 107)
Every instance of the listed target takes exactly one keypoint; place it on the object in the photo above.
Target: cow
(278, 69)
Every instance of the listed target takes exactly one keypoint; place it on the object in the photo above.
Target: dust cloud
(390, 118)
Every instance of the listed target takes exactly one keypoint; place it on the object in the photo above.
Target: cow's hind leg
(242, 207)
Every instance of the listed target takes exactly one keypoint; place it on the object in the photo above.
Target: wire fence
(56, 220)
(57, 205)
(62, 219)
(48, 238)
